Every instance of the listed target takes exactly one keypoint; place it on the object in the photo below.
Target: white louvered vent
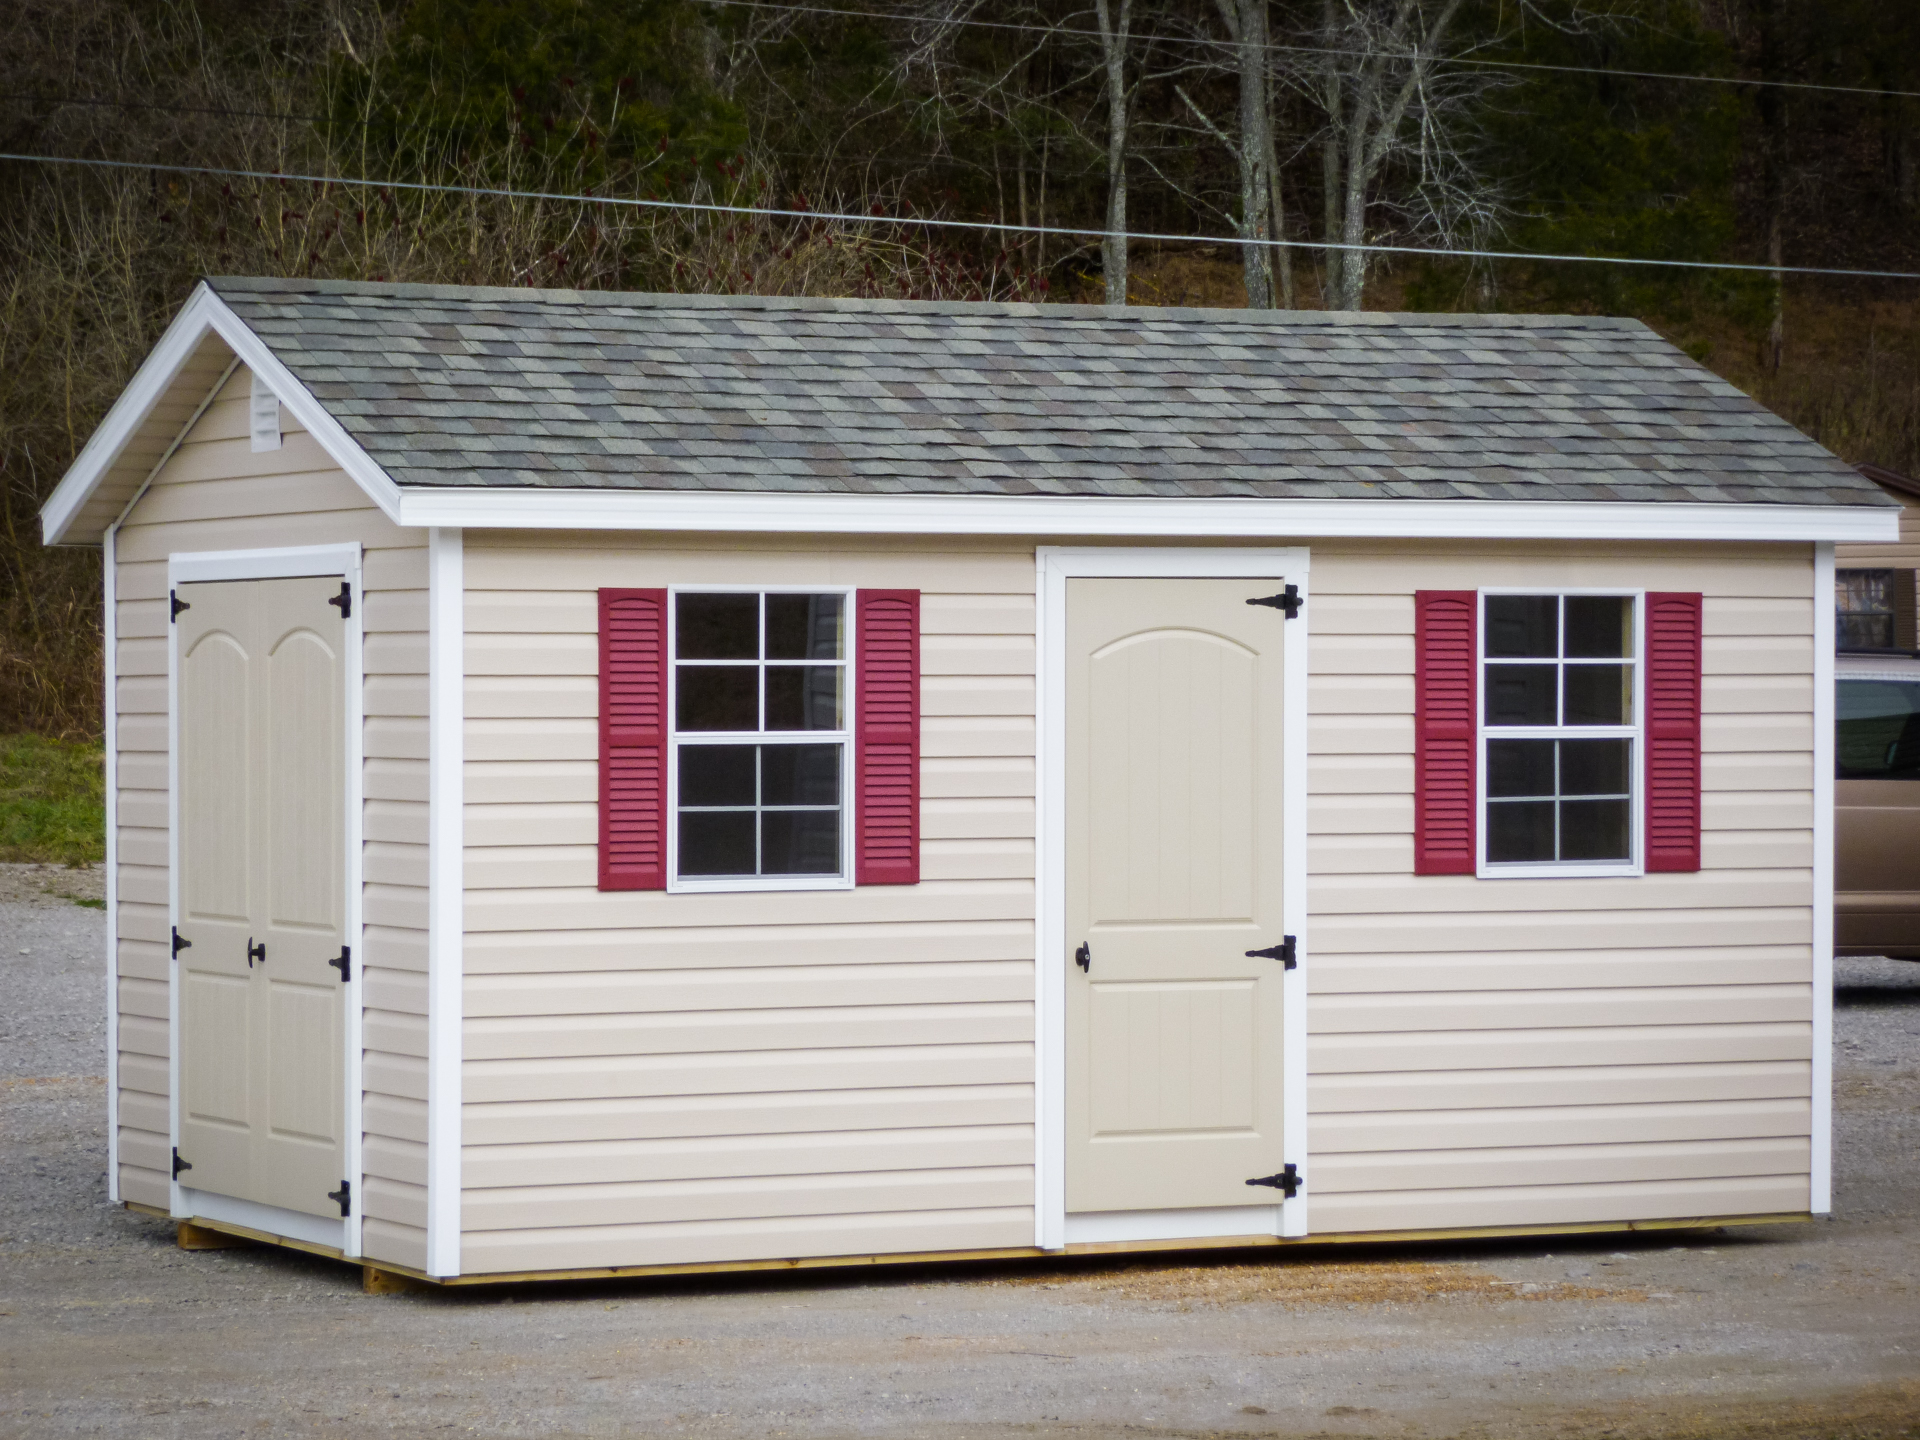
(263, 417)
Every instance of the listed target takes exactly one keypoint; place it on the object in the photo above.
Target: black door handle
(256, 952)
(1083, 957)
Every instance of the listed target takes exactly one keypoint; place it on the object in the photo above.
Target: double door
(1173, 874)
(260, 942)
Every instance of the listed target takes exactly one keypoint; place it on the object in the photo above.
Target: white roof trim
(1049, 515)
(204, 312)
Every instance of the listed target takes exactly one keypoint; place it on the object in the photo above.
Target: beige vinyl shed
(614, 783)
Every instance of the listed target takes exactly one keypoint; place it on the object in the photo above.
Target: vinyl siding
(653, 1079)
(216, 494)
(1534, 1051)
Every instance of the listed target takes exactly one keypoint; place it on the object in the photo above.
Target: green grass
(52, 801)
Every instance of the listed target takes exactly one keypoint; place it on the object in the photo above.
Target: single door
(262, 911)
(1173, 874)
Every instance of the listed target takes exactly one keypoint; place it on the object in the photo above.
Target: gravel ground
(107, 1329)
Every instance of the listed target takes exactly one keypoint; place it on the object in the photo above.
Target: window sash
(842, 738)
(1634, 733)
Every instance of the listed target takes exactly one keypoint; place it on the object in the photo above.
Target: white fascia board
(765, 512)
(204, 312)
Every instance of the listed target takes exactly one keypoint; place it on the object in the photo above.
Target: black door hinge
(1283, 952)
(1083, 957)
(343, 1197)
(1287, 1182)
(344, 600)
(180, 942)
(256, 952)
(1287, 600)
(179, 1164)
(173, 598)
(343, 962)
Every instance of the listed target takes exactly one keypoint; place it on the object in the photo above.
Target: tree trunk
(1256, 140)
(1333, 100)
(1773, 174)
(1282, 256)
(1353, 216)
(1113, 49)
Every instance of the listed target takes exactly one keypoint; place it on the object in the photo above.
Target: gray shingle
(449, 386)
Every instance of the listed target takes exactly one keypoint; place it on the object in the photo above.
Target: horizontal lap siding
(1513, 1052)
(656, 1079)
(217, 494)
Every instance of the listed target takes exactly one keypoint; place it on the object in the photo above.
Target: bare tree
(1246, 26)
(1113, 58)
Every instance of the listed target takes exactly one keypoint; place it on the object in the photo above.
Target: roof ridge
(1011, 309)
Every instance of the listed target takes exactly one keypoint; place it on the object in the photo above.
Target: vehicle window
(1879, 730)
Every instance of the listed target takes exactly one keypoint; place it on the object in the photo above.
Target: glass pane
(716, 697)
(804, 627)
(1521, 694)
(716, 842)
(1864, 632)
(1519, 767)
(716, 774)
(1863, 592)
(1600, 626)
(799, 774)
(1523, 626)
(803, 697)
(1879, 730)
(800, 842)
(1598, 695)
(1520, 830)
(717, 627)
(1593, 830)
(1595, 767)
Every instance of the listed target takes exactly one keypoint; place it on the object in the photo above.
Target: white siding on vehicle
(1535, 1051)
(216, 493)
(655, 1078)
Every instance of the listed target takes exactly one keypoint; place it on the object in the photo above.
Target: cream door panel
(1174, 1035)
(262, 825)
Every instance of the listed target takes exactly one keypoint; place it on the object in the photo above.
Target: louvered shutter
(887, 737)
(1445, 739)
(633, 739)
(1673, 731)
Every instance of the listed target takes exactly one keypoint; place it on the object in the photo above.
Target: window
(758, 765)
(1878, 735)
(1874, 610)
(1560, 730)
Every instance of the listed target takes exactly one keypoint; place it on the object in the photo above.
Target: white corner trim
(1823, 802)
(205, 312)
(1137, 517)
(110, 729)
(1110, 1226)
(1054, 1228)
(446, 894)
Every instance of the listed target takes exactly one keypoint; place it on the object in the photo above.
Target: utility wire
(172, 109)
(780, 5)
(934, 223)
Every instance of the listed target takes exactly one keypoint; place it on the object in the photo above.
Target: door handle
(256, 952)
(1083, 957)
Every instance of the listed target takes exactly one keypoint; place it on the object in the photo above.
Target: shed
(614, 783)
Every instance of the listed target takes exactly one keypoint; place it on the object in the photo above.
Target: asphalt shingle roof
(456, 386)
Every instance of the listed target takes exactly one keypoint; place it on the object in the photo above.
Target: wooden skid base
(383, 1278)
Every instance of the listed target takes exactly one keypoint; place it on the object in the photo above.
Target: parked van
(1877, 799)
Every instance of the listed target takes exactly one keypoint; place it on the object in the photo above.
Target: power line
(934, 223)
(172, 109)
(1319, 49)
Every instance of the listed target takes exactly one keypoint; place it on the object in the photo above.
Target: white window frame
(1635, 864)
(844, 737)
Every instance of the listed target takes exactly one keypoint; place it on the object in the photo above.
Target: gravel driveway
(107, 1329)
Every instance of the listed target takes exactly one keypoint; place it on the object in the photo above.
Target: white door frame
(1054, 1228)
(291, 562)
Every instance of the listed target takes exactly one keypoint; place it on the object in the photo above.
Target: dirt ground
(106, 1328)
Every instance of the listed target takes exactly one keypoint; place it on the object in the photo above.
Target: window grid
(1490, 734)
(760, 739)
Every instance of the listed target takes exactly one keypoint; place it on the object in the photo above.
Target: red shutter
(1445, 738)
(633, 739)
(887, 737)
(1673, 732)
